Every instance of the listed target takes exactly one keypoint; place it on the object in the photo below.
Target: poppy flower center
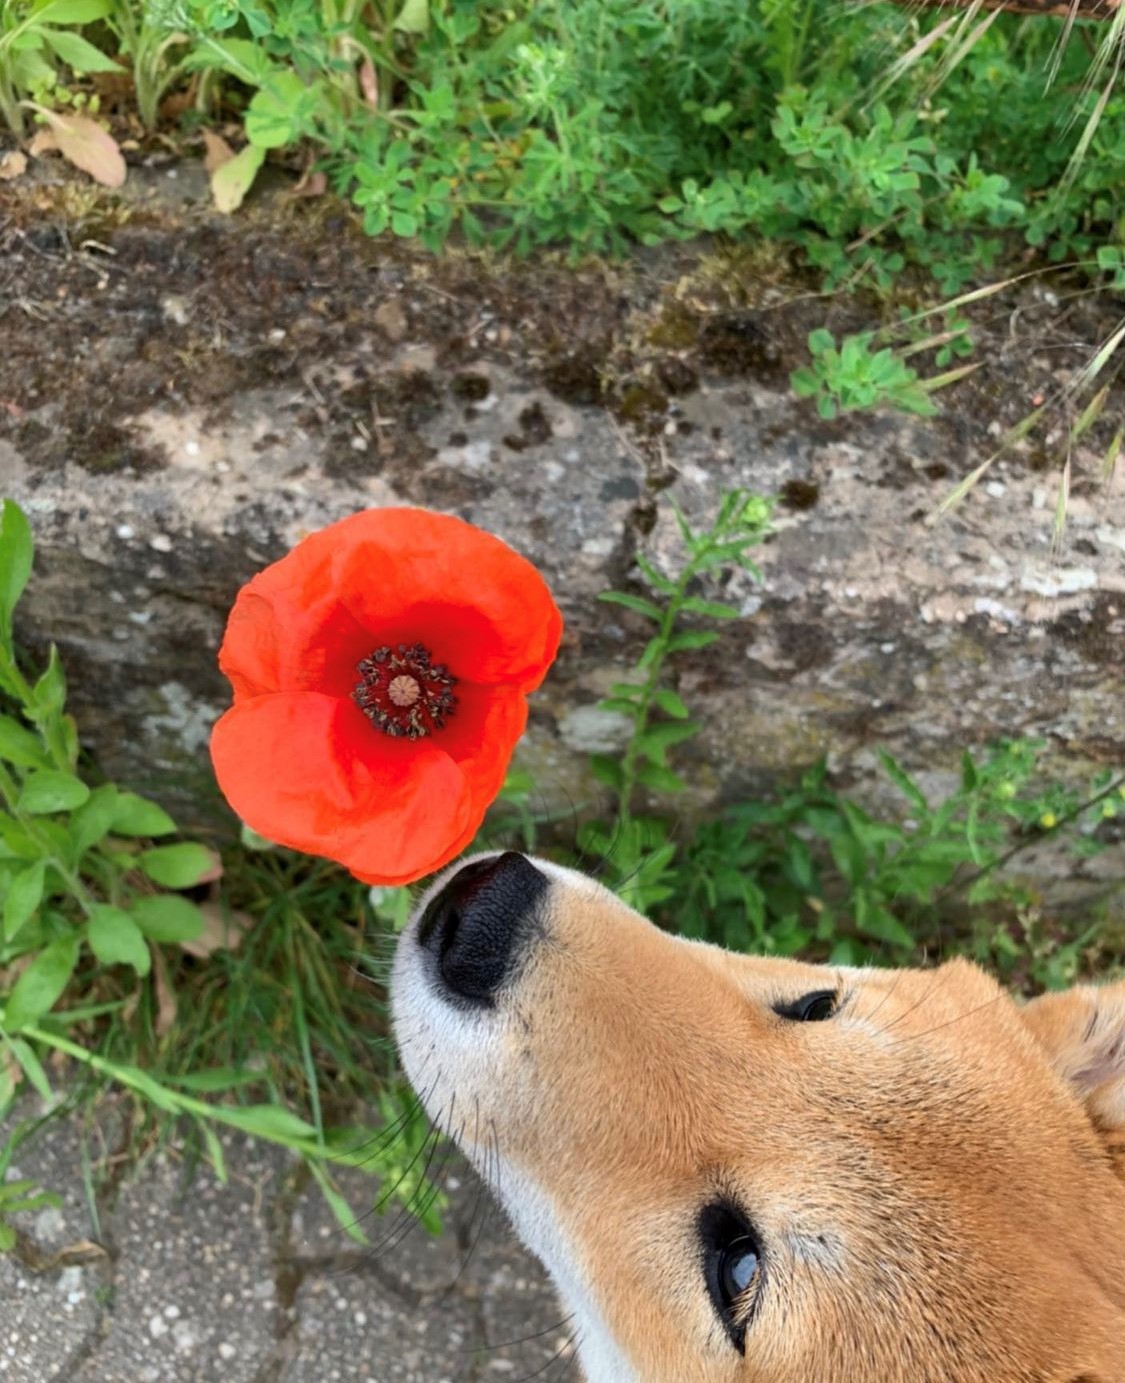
(403, 693)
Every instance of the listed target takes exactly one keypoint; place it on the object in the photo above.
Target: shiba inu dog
(738, 1168)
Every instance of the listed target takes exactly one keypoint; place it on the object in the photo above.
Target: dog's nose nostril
(477, 926)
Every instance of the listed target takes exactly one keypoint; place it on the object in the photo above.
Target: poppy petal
(289, 630)
(482, 734)
(487, 610)
(311, 773)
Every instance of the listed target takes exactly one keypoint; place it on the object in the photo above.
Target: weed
(811, 870)
(637, 848)
(102, 925)
(599, 123)
(37, 37)
(858, 376)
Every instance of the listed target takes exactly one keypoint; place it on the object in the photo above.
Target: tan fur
(937, 1174)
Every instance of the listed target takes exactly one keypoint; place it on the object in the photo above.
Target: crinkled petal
(482, 734)
(383, 577)
(486, 609)
(290, 631)
(310, 772)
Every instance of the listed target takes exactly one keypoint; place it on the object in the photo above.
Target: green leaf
(151, 1089)
(93, 820)
(618, 704)
(72, 11)
(16, 841)
(653, 651)
(274, 116)
(414, 17)
(178, 866)
(21, 746)
(850, 857)
(167, 918)
(342, 1212)
(713, 609)
(49, 791)
(606, 770)
(32, 1067)
(39, 987)
(880, 924)
(633, 602)
(78, 53)
(214, 1151)
(691, 638)
(658, 739)
(671, 703)
(659, 778)
(241, 57)
(25, 893)
(822, 340)
(903, 781)
(49, 693)
(117, 940)
(655, 577)
(270, 1121)
(136, 816)
(16, 552)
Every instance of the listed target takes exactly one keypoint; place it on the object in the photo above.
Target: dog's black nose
(476, 926)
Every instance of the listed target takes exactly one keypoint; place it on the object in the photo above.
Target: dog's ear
(1083, 1033)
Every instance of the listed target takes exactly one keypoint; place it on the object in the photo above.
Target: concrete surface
(173, 1278)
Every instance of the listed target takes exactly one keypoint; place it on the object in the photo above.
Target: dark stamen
(402, 693)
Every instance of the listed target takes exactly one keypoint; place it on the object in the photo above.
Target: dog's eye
(738, 1267)
(732, 1267)
(810, 1008)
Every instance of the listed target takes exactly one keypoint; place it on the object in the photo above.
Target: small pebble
(160, 543)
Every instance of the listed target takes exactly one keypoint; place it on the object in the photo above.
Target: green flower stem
(175, 1102)
(629, 761)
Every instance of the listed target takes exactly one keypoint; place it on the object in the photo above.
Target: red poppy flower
(380, 672)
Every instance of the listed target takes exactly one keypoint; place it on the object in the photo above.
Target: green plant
(637, 848)
(149, 37)
(810, 870)
(857, 375)
(881, 141)
(97, 909)
(816, 873)
(36, 36)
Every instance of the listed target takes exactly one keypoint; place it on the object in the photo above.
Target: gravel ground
(178, 1279)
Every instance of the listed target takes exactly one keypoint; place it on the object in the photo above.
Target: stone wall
(560, 419)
